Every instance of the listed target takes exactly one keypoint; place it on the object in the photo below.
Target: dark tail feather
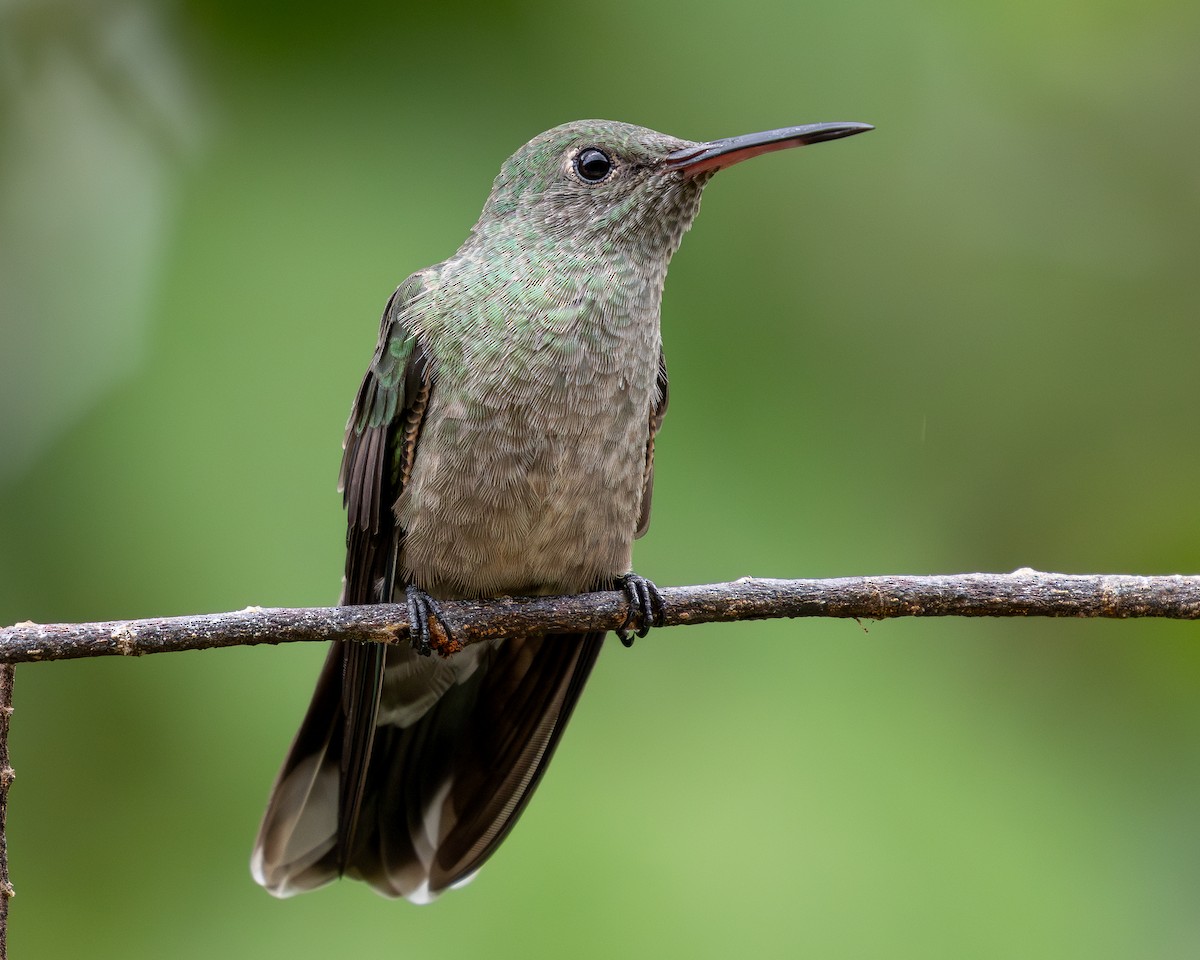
(296, 849)
(459, 748)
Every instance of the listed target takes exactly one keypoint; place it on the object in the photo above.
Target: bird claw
(421, 609)
(646, 608)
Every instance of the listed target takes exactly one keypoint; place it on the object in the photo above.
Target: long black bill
(718, 154)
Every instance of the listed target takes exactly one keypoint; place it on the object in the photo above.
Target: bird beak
(718, 154)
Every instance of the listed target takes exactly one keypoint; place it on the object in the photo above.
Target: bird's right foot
(422, 608)
(646, 607)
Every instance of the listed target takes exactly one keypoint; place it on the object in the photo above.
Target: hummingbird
(501, 443)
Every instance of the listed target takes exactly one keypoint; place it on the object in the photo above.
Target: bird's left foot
(646, 608)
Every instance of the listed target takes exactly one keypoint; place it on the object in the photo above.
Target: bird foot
(422, 608)
(646, 607)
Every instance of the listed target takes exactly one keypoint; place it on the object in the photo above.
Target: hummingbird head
(620, 184)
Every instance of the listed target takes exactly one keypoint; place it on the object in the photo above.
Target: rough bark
(1024, 593)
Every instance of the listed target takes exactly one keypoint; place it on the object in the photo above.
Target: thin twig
(1025, 593)
(6, 779)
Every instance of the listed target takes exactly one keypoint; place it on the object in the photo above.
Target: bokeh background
(967, 341)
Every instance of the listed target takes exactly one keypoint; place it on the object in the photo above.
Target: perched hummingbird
(502, 442)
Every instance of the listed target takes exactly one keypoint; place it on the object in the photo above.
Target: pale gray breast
(528, 472)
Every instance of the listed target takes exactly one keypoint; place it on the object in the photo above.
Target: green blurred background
(967, 341)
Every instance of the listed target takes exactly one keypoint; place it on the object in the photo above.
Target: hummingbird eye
(593, 165)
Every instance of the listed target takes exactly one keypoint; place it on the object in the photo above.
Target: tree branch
(1025, 593)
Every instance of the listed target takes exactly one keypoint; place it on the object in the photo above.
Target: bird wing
(378, 451)
(658, 410)
(309, 822)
